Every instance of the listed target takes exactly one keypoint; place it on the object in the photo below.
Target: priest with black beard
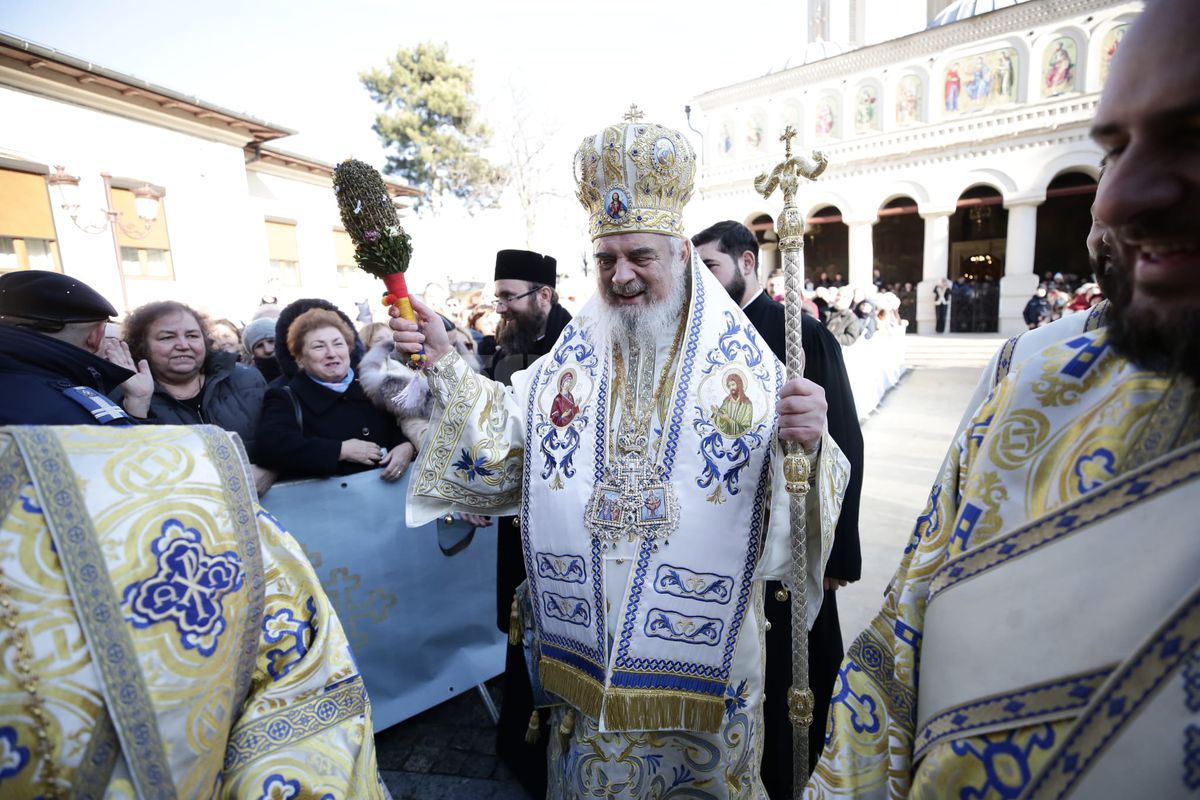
(730, 251)
(531, 320)
(530, 316)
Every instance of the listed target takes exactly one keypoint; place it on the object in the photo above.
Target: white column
(937, 260)
(862, 253)
(1019, 281)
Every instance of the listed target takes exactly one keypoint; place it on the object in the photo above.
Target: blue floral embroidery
(284, 625)
(735, 341)
(186, 588)
(564, 441)
(703, 586)
(568, 568)
(676, 627)
(1094, 469)
(863, 708)
(735, 699)
(566, 609)
(470, 467)
(13, 757)
(1005, 761)
(681, 775)
(276, 787)
(724, 458)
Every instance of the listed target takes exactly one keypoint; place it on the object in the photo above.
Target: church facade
(959, 151)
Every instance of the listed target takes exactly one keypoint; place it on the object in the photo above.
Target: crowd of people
(165, 637)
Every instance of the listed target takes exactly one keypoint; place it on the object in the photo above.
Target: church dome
(965, 9)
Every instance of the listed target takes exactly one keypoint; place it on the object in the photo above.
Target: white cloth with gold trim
(1058, 537)
(639, 637)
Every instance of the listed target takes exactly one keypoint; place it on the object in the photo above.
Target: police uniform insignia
(105, 411)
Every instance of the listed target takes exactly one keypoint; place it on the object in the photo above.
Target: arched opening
(1063, 223)
(763, 227)
(826, 248)
(898, 242)
(978, 236)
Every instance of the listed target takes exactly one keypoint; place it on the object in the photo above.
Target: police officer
(51, 331)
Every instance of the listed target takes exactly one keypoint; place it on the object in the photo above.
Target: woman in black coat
(320, 423)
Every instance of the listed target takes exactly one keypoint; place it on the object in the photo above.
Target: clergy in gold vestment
(643, 517)
(162, 636)
(1041, 637)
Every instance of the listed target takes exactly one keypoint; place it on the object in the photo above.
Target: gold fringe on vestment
(572, 685)
(662, 710)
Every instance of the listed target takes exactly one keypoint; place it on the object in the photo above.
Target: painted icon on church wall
(826, 121)
(725, 140)
(1108, 49)
(909, 97)
(866, 109)
(1058, 67)
(983, 81)
(756, 132)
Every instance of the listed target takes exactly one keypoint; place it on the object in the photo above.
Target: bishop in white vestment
(648, 525)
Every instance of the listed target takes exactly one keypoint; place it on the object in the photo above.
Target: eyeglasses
(508, 299)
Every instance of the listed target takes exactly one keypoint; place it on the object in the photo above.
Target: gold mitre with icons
(635, 177)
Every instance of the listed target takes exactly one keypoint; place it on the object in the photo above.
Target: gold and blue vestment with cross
(1041, 637)
(162, 635)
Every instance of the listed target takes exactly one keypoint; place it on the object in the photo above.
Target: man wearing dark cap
(51, 331)
(530, 321)
(530, 317)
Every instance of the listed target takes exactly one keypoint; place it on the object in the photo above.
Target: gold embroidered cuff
(443, 376)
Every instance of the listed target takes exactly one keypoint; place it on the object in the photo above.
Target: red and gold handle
(397, 295)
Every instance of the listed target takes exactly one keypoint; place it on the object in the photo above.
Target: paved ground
(905, 441)
(449, 752)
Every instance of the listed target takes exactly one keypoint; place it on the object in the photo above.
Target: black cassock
(824, 366)
(527, 761)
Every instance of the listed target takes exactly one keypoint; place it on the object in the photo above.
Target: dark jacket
(1037, 311)
(503, 364)
(231, 399)
(824, 366)
(287, 363)
(328, 419)
(37, 374)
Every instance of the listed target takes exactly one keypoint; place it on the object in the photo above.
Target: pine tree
(431, 126)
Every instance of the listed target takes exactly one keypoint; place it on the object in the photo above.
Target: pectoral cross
(633, 500)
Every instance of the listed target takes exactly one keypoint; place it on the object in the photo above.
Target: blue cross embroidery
(1088, 353)
(186, 588)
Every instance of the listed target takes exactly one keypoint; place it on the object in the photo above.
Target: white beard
(644, 323)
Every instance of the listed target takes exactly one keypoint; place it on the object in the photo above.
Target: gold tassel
(533, 732)
(566, 728)
(514, 624)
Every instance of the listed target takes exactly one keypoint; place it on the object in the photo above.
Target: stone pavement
(449, 752)
(905, 440)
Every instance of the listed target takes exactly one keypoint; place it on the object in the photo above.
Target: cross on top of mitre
(634, 114)
(786, 137)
